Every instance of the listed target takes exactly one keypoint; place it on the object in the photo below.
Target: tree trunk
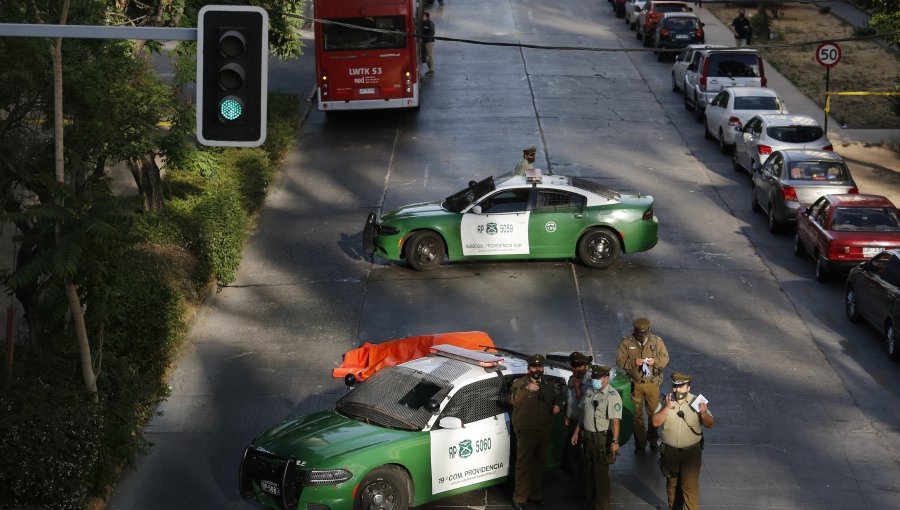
(147, 177)
(84, 347)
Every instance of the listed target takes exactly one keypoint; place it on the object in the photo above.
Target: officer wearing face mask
(598, 431)
(535, 399)
(642, 356)
(681, 451)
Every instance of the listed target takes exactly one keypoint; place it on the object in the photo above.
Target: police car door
(556, 221)
(498, 224)
(478, 451)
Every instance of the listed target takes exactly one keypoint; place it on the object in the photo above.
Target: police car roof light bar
(533, 175)
(482, 359)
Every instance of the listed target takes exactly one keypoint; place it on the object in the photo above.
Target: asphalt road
(807, 403)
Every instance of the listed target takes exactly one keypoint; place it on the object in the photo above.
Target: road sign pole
(827, 83)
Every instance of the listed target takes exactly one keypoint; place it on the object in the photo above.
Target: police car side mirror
(432, 406)
(450, 422)
(476, 209)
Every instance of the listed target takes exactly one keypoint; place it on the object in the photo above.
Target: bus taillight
(324, 86)
(408, 82)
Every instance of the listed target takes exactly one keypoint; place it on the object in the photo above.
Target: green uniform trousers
(683, 479)
(644, 395)
(596, 471)
(531, 453)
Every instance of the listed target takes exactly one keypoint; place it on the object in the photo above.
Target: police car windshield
(395, 397)
(461, 199)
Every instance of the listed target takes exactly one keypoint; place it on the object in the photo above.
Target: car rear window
(817, 171)
(756, 103)
(795, 134)
(681, 24)
(734, 65)
(865, 219)
(670, 8)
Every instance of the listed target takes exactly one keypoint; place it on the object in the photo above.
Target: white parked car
(734, 106)
(632, 9)
(769, 132)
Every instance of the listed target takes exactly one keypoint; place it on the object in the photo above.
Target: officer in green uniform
(642, 356)
(578, 384)
(527, 162)
(598, 431)
(535, 400)
(681, 451)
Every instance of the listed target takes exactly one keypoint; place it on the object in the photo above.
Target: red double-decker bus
(362, 69)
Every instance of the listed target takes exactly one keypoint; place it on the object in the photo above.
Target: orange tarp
(370, 358)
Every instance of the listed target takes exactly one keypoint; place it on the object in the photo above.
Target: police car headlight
(326, 476)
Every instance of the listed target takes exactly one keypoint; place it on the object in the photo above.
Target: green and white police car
(410, 434)
(523, 217)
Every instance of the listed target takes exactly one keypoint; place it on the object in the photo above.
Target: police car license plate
(871, 252)
(367, 91)
(270, 487)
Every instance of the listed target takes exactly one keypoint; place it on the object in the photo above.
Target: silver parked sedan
(795, 178)
(766, 133)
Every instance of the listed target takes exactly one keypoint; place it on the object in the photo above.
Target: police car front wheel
(385, 488)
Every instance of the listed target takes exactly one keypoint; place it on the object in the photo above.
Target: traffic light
(232, 75)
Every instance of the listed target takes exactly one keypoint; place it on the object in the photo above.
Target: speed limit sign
(828, 54)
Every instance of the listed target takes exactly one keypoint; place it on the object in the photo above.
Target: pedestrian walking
(598, 433)
(740, 26)
(428, 41)
(643, 356)
(535, 399)
(681, 418)
(577, 385)
(527, 162)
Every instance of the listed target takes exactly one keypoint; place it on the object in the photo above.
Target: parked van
(715, 69)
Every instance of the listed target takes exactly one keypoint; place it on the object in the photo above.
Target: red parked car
(840, 231)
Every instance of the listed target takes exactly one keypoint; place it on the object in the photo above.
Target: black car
(676, 30)
(873, 293)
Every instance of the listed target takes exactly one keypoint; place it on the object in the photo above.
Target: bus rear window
(344, 38)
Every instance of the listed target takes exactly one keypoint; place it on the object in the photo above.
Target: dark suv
(676, 30)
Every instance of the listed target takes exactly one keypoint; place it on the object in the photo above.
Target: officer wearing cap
(527, 160)
(578, 383)
(598, 432)
(535, 400)
(681, 452)
(642, 356)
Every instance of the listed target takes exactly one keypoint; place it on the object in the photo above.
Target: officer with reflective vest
(598, 432)
(681, 451)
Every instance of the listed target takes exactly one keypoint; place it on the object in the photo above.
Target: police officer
(535, 400)
(578, 384)
(642, 356)
(527, 162)
(682, 442)
(598, 431)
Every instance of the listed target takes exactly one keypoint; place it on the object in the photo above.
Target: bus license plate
(367, 91)
(270, 487)
(871, 252)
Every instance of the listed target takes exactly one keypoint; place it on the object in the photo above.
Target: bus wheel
(599, 248)
(385, 488)
(424, 250)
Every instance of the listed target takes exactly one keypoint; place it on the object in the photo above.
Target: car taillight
(838, 251)
(789, 193)
(704, 74)
(763, 150)
(734, 121)
(648, 214)
(828, 148)
(664, 32)
(698, 33)
(853, 191)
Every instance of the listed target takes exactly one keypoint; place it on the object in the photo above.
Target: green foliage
(51, 439)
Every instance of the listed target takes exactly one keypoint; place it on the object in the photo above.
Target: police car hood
(414, 210)
(318, 437)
